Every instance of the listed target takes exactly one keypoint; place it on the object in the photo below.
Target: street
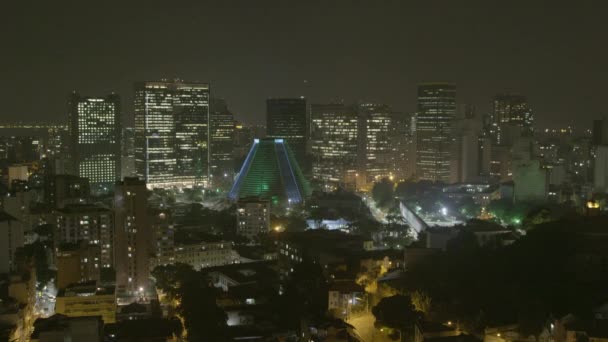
(364, 326)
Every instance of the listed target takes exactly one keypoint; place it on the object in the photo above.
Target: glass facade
(334, 145)
(513, 109)
(221, 144)
(287, 119)
(95, 134)
(172, 133)
(434, 121)
(377, 150)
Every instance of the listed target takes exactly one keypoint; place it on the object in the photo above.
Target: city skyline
(310, 171)
(545, 57)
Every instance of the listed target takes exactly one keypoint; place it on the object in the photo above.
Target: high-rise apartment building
(133, 235)
(335, 145)
(376, 128)
(60, 190)
(11, 238)
(436, 112)
(128, 153)
(95, 137)
(78, 263)
(252, 217)
(288, 119)
(88, 223)
(221, 145)
(172, 133)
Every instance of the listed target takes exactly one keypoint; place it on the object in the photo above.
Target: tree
(203, 319)
(469, 208)
(383, 193)
(45, 231)
(365, 226)
(397, 312)
(295, 223)
(36, 254)
(422, 301)
(305, 294)
(532, 319)
(169, 278)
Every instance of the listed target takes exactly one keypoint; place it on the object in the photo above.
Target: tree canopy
(383, 193)
(525, 282)
(203, 319)
(396, 311)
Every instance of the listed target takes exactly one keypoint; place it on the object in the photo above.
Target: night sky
(351, 50)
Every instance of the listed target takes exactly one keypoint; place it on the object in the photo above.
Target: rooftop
(85, 289)
(83, 208)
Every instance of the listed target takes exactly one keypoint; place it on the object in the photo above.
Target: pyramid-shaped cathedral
(271, 172)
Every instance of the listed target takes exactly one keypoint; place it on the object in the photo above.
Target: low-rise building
(248, 274)
(346, 298)
(63, 328)
(199, 255)
(87, 299)
(481, 193)
(17, 172)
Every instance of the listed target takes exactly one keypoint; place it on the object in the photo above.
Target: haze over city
(351, 50)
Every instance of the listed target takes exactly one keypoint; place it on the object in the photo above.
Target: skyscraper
(513, 110)
(599, 132)
(221, 145)
(436, 112)
(467, 146)
(376, 120)
(335, 145)
(403, 146)
(95, 137)
(287, 119)
(172, 133)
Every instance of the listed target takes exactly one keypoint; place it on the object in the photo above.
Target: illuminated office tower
(376, 121)
(335, 145)
(221, 145)
(287, 119)
(436, 112)
(95, 137)
(243, 137)
(172, 133)
(191, 108)
(513, 110)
